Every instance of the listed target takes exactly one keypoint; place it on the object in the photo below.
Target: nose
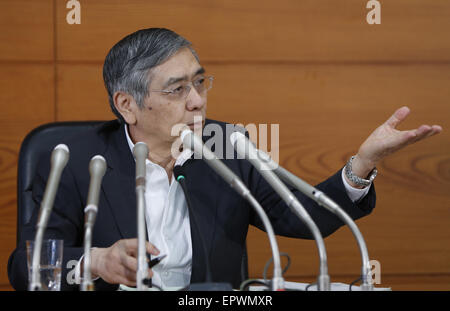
(194, 100)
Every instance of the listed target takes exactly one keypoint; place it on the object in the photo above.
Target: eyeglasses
(182, 89)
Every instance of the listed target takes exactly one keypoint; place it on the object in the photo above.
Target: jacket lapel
(204, 207)
(119, 183)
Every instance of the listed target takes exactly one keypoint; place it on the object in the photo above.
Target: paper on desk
(312, 288)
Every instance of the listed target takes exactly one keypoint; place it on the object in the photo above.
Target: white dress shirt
(168, 227)
(167, 220)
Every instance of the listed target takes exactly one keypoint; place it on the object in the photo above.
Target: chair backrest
(41, 140)
(38, 141)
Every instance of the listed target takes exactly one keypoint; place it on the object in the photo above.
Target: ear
(126, 106)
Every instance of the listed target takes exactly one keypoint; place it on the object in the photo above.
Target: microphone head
(241, 144)
(60, 155)
(235, 136)
(184, 133)
(97, 166)
(186, 139)
(63, 147)
(178, 172)
(246, 149)
(140, 150)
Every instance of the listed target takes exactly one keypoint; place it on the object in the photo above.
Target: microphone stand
(97, 168)
(245, 148)
(87, 284)
(191, 141)
(323, 200)
(59, 158)
(140, 151)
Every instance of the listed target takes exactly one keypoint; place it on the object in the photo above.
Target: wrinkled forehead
(182, 66)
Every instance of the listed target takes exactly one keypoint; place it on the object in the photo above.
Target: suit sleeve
(286, 223)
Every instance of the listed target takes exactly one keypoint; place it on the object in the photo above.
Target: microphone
(323, 200)
(59, 159)
(97, 168)
(246, 149)
(193, 142)
(140, 152)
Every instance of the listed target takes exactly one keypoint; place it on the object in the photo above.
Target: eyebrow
(173, 80)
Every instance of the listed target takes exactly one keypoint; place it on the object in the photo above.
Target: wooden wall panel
(284, 30)
(81, 93)
(27, 30)
(26, 97)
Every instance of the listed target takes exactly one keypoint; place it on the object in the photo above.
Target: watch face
(362, 182)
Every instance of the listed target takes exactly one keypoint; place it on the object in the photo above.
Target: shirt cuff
(355, 194)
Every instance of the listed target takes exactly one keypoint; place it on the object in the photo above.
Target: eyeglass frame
(189, 87)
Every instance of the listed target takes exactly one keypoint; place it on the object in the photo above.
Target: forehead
(182, 63)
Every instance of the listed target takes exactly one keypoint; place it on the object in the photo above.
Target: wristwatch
(358, 180)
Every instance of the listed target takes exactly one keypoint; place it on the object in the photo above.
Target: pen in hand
(155, 261)
(152, 263)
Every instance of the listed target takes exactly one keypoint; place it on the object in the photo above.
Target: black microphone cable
(181, 179)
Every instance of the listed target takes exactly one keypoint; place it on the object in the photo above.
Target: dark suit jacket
(223, 216)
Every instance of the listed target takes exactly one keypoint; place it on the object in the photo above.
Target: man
(155, 81)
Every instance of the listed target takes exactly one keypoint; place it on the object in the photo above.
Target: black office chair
(39, 141)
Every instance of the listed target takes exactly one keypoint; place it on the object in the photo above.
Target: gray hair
(127, 65)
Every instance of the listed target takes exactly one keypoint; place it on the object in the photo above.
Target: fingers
(128, 262)
(128, 271)
(151, 249)
(424, 131)
(429, 131)
(398, 116)
(131, 247)
(120, 264)
(127, 276)
(436, 129)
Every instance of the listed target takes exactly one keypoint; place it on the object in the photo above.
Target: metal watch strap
(358, 180)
